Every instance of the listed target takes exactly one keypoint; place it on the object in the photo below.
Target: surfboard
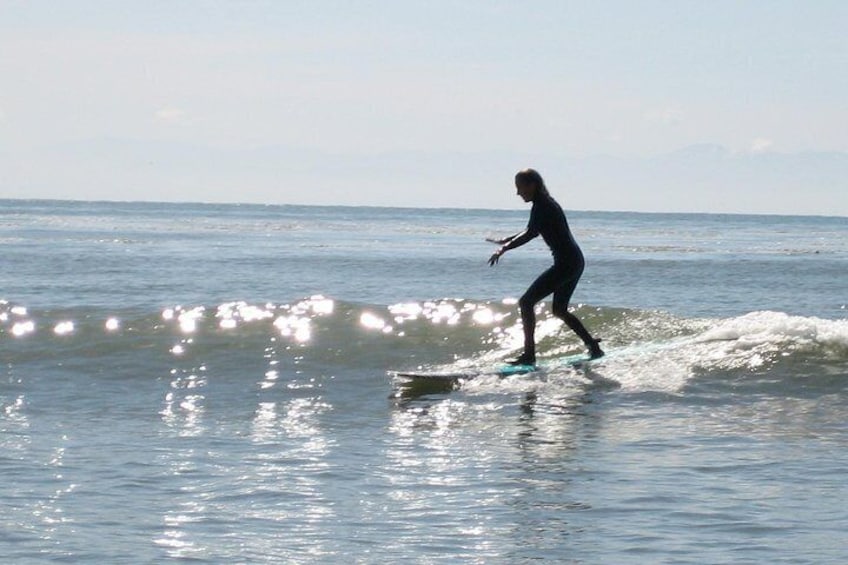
(499, 370)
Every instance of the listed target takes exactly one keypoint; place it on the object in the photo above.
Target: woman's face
(526, 190)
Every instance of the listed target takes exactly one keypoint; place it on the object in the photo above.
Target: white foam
(747, 343)
(778, 329)
(750, 342)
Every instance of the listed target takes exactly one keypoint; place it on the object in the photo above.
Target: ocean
(214, 384)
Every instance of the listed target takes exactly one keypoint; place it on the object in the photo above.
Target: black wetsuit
(548, 220)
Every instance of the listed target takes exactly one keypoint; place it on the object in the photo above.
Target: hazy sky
(429, 103)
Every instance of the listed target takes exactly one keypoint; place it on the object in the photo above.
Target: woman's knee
(526, 303)
(560, 310)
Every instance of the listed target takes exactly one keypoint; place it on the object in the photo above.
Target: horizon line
(406, 207)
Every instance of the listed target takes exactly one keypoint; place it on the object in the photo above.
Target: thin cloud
(761, 145)
(170, 114)
(667, 116)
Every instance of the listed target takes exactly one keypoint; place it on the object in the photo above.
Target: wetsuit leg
(562, 296)
(545, 284)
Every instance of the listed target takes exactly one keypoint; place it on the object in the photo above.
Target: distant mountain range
(698, 178)
(712, 178)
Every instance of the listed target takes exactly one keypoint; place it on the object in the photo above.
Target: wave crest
(648, 350)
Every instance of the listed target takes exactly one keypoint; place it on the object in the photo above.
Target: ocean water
(213, 384)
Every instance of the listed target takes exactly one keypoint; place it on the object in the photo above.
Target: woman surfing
(548, 220)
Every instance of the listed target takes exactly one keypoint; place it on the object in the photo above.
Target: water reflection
(231, 314)
(284, 476)
(35, 514)
(49, 511)
(295, 321)
(187, 320)
(504, 464)
(13, 412)
(274, 475)
(264, 427)
(187, 497)
(184, 404)
(23, 328)
(64, 328)
(371, 321)
(447, 485)
(550, 426)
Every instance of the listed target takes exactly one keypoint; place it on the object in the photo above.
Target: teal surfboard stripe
(503, 370)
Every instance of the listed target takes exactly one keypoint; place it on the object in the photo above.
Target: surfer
(548, 220)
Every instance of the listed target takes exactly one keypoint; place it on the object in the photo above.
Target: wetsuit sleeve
(520, 239)
(531, 232)
(533, 224)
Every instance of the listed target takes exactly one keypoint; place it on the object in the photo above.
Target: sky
(657, 106)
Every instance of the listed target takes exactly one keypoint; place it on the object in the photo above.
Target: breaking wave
(326, 338)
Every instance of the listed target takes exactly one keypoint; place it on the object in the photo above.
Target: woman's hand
(493, 260)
